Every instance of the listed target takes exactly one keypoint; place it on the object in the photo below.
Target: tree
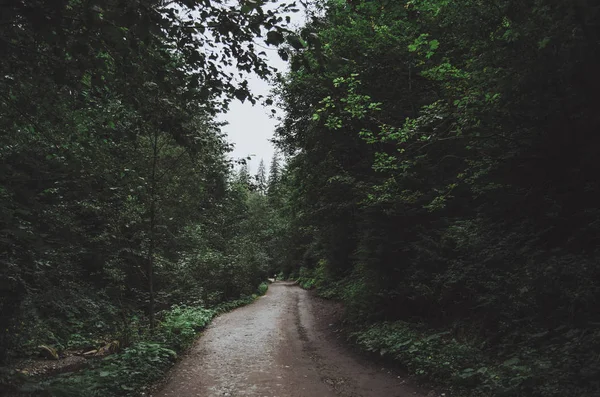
(274, 180)
(111, 160)
(261, 178)
(243, 176)
(426, 166)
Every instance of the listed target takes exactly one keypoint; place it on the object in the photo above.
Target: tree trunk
(150, 270)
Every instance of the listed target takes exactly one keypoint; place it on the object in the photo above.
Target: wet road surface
(282, 345)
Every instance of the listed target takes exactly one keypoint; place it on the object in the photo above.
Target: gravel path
(283, 345)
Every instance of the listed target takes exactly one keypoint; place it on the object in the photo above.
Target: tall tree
(110, 158)
(274, 180)
(261, 178)
(243, 176)
(429, 164)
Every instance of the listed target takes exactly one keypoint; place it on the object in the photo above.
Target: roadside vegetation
(124, 225)
(134, 369)
(441, 180)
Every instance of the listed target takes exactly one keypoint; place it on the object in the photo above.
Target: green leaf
(511, 361)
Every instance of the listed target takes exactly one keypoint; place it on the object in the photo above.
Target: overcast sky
(251, 127)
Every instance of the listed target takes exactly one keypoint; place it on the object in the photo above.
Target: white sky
(251, 127)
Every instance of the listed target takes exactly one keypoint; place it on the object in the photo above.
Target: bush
(123, 374)
(470, 369)
(127, 373)
(262, 288)
(181, 324)
(435, 356)
(244, 300)
(313, 278)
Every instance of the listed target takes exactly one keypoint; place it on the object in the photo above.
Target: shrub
(124, 374)
(469, 368)
(262, 288)
(129, 372)
(435, 356)
(181, 324)
(306, 278)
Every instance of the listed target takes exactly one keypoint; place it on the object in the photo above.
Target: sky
(251, 127)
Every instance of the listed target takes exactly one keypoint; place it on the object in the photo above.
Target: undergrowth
(532, 363)
(524, 362)
(543, 365)
(131, 371)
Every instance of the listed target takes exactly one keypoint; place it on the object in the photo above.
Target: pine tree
(274, 179)
(261, 178)
(243, 176)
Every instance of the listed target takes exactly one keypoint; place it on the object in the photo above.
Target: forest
(438, 175)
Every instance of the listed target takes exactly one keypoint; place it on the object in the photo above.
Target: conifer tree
(274, 179)
(261, 178)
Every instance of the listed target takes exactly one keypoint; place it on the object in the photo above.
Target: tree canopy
(442, 173)
(117, 194)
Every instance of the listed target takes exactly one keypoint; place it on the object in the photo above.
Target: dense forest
(124, 224)
(443, 181)
(439, 177)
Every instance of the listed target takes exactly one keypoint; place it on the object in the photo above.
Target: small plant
(262, 288)
(435, 357)
(441, 359)
(181, 324)
(306, 278)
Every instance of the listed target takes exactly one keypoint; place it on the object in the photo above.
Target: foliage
(305, 279)
(123, 374)
(118, 200)
(181, 324)
(440, 176)
(138, 366)
(313, 278)
(435, 356)
(262, 288)
(244, 300)
(116, 193)
(463, 366)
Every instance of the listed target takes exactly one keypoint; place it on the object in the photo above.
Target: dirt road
(283, 345)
